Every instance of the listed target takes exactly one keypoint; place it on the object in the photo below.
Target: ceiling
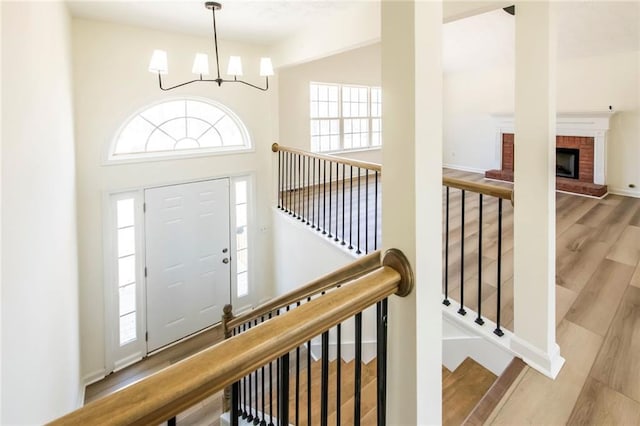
(255, 21)
(585, 28)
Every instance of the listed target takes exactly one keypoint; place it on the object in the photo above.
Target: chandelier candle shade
(159, 65)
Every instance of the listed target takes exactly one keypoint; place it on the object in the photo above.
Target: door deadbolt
(225, 260)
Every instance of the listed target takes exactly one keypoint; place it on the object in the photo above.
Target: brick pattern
(583, 185)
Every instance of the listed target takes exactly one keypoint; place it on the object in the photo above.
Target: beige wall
(40, 344)
(111, 83)
(358, 66)
(583, 84)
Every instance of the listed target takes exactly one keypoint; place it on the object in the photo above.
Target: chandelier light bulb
(235, 66)
(201, 64)
(158, 63)
(266, 67)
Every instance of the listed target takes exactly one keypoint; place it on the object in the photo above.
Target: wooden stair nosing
(483, 409)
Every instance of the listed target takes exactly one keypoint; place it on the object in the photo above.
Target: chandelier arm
(179, 85)
(235, 80)
(215, 40)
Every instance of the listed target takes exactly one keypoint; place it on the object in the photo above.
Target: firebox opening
(567, 162)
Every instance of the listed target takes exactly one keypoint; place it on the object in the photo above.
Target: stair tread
(462, 389)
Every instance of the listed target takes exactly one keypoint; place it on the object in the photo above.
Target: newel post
(227, 316)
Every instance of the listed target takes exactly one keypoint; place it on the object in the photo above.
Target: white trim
(464, 168)
(625, 192)
(93, 377)
(110, 158)
(548, 364)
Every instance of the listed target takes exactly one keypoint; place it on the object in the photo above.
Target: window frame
(341, 119)
(111, 158)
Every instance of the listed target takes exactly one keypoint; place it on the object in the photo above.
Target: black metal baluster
(279, 180)
(462, 311)
(344, 178)
(298, 190)
(446, 301)
(284, 182)
(303, 190)
(498, 331)
(171, 421)
(270, 389)
(479, 320)
(309, 377)
(291, 184)
(283, 390)
(358, 371)
(264, 395)
(249, 413)
(375, 219)
(324, 394)
(298, 382)
(366, 212)
(244, 386)
(336, 239)
(381, 340)
(330, 198)
(308, 189)
(256, 417)
(338, 372)
(358, 251)
(313, 197)
(351, 210)
(324, 198)
(235, 408)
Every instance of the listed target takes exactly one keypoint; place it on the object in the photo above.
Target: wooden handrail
(340, 160)
(481, 188)
(353, 270)
(169, 392)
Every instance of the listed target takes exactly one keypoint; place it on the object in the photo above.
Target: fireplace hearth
(568, 163)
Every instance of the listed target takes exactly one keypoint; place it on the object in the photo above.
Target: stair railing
(467, 190)
(338, 197)
(162, 396)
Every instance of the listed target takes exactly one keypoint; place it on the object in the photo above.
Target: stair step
(462, 389)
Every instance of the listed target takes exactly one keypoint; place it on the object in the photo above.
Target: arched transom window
(179, 127)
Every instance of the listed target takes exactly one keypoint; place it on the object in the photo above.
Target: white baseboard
(94, 376)
(464, 168)
(625, 192)
(548, 364)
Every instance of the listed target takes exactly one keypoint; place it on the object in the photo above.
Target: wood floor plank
(635, 279)
(564, 300)
(462, 390)
(600, 405)
(617, 221)
(541, 401)
(596, 215)
(618, 363)
(627, 249)
(575, 268)
(593, 307)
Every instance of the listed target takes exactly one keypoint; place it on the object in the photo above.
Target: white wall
(358, 66)
(40, 359)
(111, 83)
(584, 84)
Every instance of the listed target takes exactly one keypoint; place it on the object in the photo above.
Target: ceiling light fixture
(201, 62)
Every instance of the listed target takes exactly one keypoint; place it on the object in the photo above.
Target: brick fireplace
(580, 134)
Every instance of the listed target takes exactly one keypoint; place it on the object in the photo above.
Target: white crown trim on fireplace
(588, 124)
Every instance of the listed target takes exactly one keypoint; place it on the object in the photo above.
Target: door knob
(225, 260)
(224, 250)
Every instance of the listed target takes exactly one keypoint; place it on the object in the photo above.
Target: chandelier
(201, 63)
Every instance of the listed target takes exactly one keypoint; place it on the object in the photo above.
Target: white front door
(187, 259)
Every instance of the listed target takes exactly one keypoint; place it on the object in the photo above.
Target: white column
(534, 186)
(412, 203)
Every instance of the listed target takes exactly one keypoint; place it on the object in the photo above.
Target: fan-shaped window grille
(180, 127)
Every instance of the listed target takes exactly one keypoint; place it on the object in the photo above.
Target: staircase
(368, 394)
(462, 390)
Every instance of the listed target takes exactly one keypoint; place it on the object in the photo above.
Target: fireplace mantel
(593, 124)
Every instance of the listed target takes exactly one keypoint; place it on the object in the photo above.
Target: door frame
(117, 357)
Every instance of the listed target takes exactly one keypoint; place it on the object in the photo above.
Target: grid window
(242, 246)
(126, 260)
(180, 127)
(344, 117)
